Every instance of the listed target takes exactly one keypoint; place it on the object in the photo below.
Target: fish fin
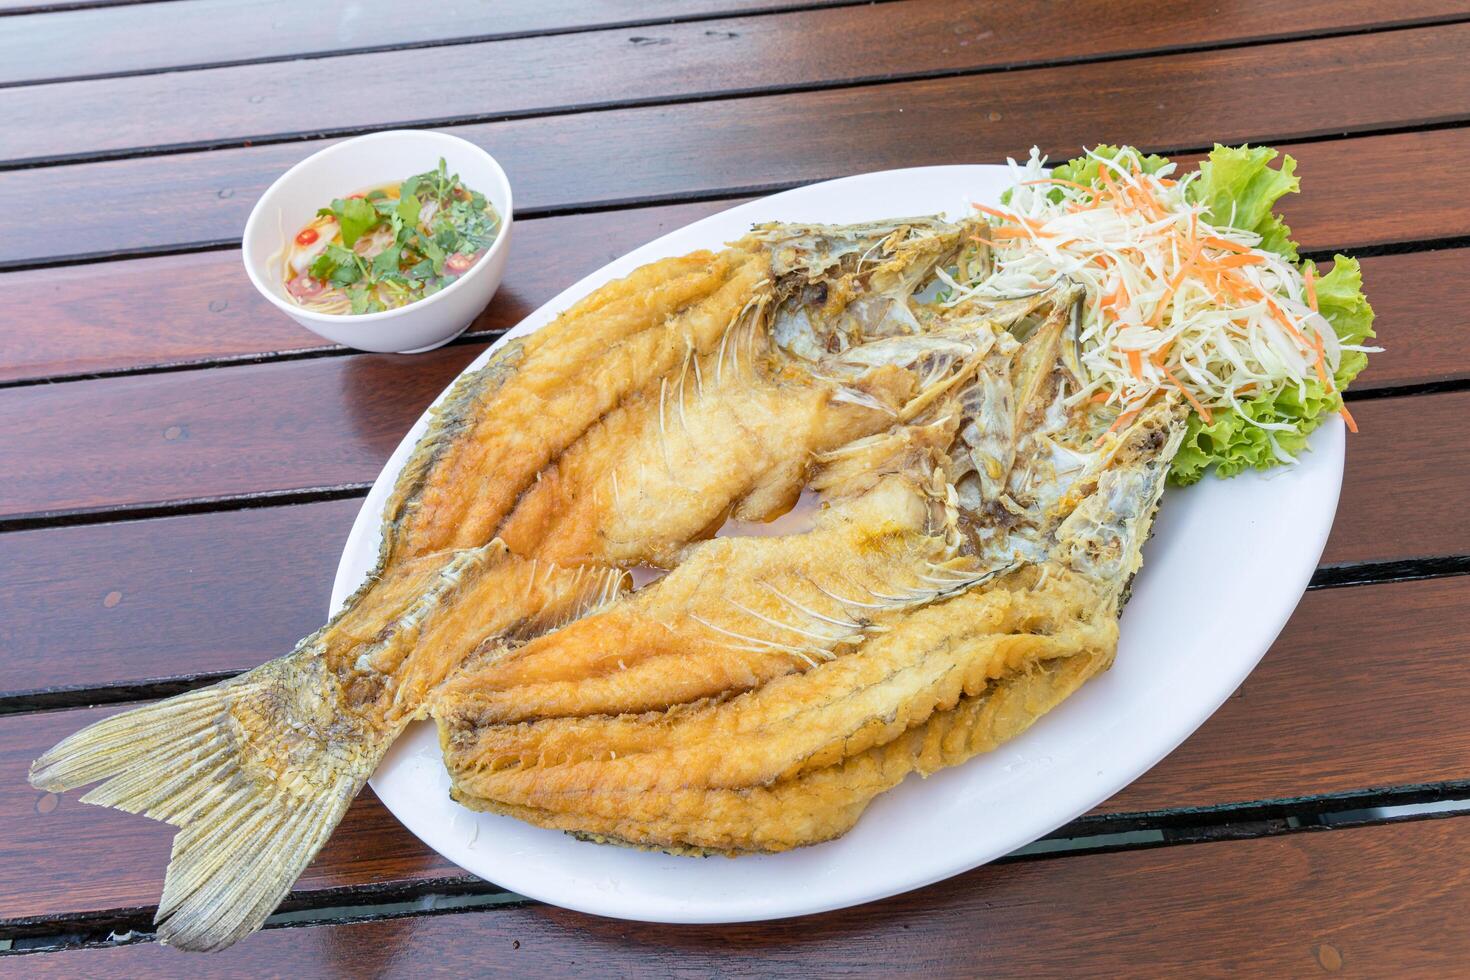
(593, 587)
(254, 771)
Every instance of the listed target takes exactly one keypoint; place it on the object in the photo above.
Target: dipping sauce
(389, 246)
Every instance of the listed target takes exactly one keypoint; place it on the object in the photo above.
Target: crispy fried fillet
(729, 433)
(796, 759)
(735, 613)
(921, 662)
(1005, 681)
(539, 395)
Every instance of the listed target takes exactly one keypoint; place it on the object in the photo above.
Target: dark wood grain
(527, 76)
(1421, 321)
(80, 319)
(727, 147)
(1405, 490)
(142, 440)
(1347, 700)
(1350, 697)
(188, 436)
(145, 601)
(144, 37)
(139, 601)
(1380, 901)
(74, 320)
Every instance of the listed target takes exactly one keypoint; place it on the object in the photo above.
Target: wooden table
(179, 463)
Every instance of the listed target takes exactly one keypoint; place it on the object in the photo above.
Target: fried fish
(518, 512)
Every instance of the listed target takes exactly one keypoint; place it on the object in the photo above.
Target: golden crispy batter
(825, 803)
(567, 376)
(732, 432)
(735, 613)
(923, 662)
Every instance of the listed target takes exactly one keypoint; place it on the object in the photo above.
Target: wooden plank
(193, 607)
(732, 146)
(179, 309)
(180, 596)
(528, 76)
(144, 37)
(1420, 322)
(1376, 901)
(1347, 700)
(76, 320)
(188, 436)
(1406, 489)
(199, 435)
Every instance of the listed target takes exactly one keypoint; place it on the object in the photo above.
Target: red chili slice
(307, 236)
(459, 263)
(306, 287)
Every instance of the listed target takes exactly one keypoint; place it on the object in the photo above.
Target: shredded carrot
(1321, 363)
(1135, 364)
(1118, 423)
(1102, 173)
(1099, 397)
(1237, 261)
(1203, 412)
(1348, 418)
(1311, 287)
(1229, 246)
(1118, 297)
(1157, 316)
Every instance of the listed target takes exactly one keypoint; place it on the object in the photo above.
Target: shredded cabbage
(1193, 287)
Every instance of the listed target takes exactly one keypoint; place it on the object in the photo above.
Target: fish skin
(567, 376)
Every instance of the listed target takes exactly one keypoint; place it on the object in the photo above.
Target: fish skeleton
(619, 434)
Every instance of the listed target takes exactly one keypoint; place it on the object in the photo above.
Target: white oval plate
(1228, 561)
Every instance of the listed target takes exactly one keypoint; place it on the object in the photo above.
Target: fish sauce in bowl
(389, 246)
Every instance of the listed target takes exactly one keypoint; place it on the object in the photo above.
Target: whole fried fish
(619, 434)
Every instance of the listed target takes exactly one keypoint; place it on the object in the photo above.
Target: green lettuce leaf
(1340, 299)
(1234, 445)
(1239, 186)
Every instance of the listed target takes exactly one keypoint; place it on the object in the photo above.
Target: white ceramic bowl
(350, 166)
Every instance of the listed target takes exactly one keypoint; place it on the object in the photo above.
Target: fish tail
(255, 771)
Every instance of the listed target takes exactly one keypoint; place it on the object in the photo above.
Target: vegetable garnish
(1193, 287)
(389, 246)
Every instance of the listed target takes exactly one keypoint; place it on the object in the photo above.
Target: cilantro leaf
(409, 208)
(355, 217)
(436, 255)
(386, 261)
